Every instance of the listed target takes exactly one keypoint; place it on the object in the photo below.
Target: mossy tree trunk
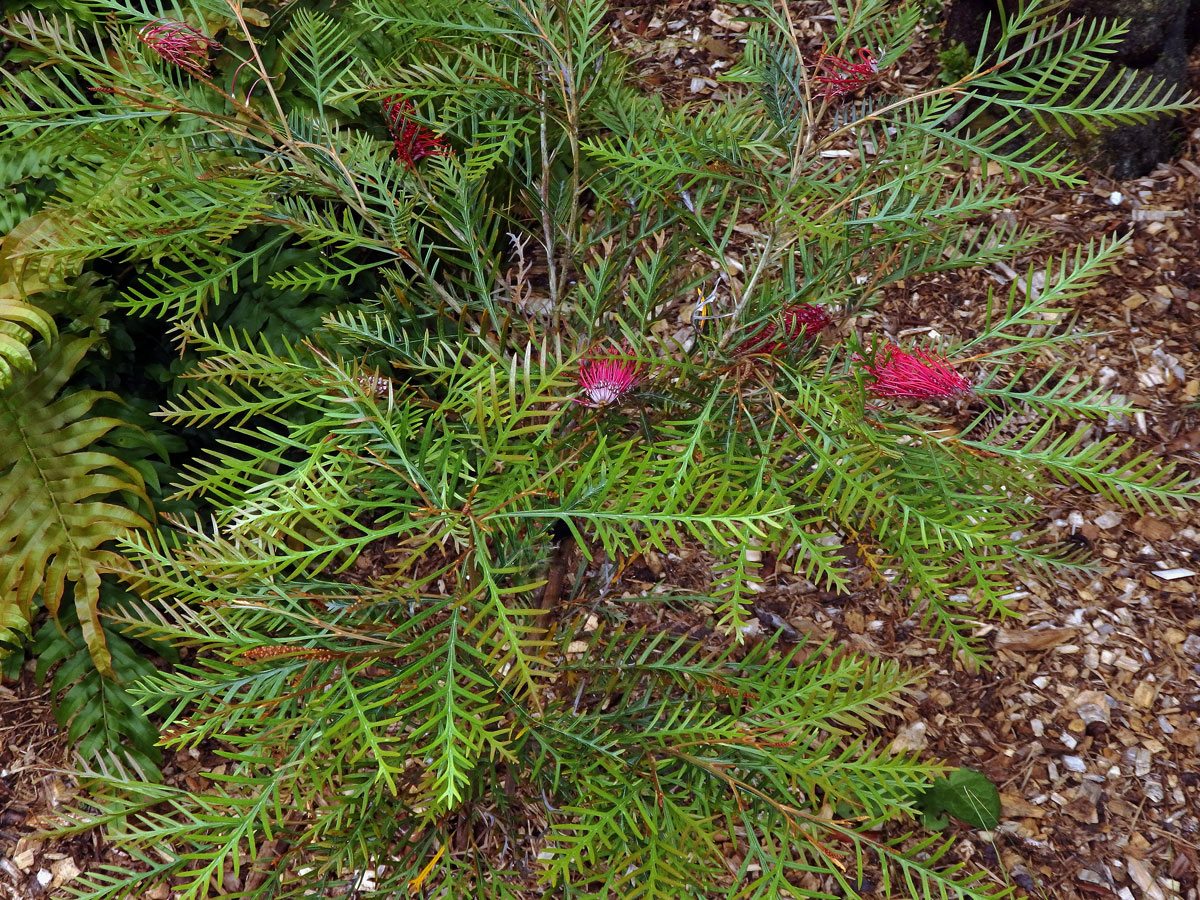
(1161, 33)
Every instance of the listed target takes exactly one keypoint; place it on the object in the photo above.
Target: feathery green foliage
(399, 704)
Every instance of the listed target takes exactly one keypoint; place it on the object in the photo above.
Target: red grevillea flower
(800, 320)
(179, 43)
(607, 376)
(844, 77)
(413, 141)
(920, 375)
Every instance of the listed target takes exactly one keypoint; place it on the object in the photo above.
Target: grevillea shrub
(378, 642)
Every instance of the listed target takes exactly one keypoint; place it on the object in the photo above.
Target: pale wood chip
(1153, 529)
(1033, 639)
(1013, 806)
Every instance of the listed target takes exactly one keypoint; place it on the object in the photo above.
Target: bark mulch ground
(1089, 717)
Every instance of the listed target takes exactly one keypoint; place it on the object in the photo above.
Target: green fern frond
(57, 515)
(19, 322)
(99, 714)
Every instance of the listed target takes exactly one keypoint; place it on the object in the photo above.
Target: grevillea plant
(179, 44)
(920, 375)
(413, 142)
(801, 322)
(400, 630)
(607, 376)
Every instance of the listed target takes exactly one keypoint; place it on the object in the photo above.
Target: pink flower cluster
(844, 77)
(413, 141)
(606, 376)
(920, 375)
(801, 321)
(180, 44)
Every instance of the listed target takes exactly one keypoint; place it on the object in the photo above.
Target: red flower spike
(800, 321)
(608, 376)
(413, 142)
(845, 77)
(180, 44)
(920, 375)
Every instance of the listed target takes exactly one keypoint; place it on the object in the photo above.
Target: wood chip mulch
(1089, 716)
